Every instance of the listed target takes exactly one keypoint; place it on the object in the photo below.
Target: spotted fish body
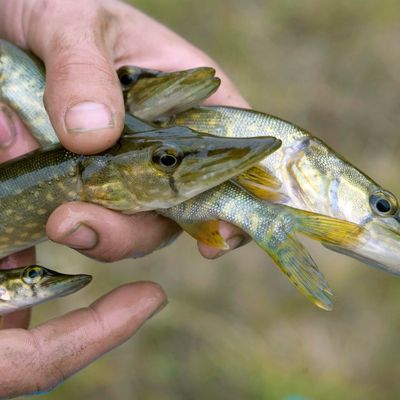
(130, 177)
(307, 174)
(21, 85)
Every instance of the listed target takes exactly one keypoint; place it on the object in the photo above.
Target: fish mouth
(60, 285)
(378, 246)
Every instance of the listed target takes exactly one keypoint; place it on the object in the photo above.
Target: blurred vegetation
(235, 328)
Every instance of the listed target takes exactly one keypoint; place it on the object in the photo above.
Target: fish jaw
(27, 286)
(378, 245)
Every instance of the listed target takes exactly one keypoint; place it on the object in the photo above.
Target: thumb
(83, 95)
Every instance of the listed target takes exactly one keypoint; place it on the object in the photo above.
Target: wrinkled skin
(80, 60)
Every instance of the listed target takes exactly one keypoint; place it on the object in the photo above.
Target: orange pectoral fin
(206, 232)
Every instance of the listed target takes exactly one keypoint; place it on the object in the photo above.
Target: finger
(82, 95)
(232, 235)
(107, 235)
(37, 360)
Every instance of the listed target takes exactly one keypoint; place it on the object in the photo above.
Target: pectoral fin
(327, 229)
(206, 232)
(262, 184)
(260, 176)
(297, 264)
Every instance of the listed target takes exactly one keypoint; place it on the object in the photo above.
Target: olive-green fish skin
(311, 176)
(143, 171)
(153, 95)
(27, 286)
(22, 87)
(22, 84)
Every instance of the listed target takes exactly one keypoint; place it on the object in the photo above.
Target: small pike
(150, 94)
(307, 174)
(27, 286)
(143, 171)
(154, 95)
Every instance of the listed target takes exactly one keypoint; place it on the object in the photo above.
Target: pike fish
(27, 286)
(307, 174)
(198, 217)
(22, 84)
(143, 171)
(304, 174)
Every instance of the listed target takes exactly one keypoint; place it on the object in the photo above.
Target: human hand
(36, 360)
(82, 44)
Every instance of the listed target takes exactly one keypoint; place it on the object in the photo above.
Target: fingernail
(81, 237)
(235, 241)
(7, 128)
(88, 116)
(158, 309)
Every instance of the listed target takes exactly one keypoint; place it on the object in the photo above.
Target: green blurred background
(235, 328)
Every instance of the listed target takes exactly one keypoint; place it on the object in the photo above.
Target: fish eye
(32, 274)
(167, 158)
(383, 204)
(127, 76)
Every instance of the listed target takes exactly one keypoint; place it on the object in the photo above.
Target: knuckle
(48, 370)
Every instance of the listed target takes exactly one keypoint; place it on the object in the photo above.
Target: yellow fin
(262, 184)
(1, 322)
(327, 229)
(260, 176)
(261, 192)
(206, 232)
(297, 264)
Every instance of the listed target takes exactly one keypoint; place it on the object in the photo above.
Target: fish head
(378, 244)
(154, 95)
(161, 168)
(27, 286)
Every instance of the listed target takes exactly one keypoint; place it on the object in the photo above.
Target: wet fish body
(304, 173)
(143, 171)
(307, 174)
(150, 94)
